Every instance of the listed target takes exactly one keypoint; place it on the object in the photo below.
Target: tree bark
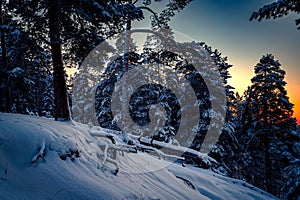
(62, 110)
(7, 91)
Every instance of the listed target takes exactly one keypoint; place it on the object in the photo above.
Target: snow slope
(44, 159)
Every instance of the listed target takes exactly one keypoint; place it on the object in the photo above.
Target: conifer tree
(64, 24)
(77, 27)
(5, 91)
(278, 9)
(24, 68)
(267, 127)
(227, 149)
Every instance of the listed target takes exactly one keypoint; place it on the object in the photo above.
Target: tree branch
(154, 13)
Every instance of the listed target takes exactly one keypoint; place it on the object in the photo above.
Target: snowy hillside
(44, 159)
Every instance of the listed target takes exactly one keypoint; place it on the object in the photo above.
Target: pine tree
(58, 23)
(271, 96)
(166, 14)
(267, 127)
(291, 187)
(47, 107)
(227, 151)
(28, 74)
(278, 9)
(91, 74)
(24, 68)
(77, 27)
(5, 104)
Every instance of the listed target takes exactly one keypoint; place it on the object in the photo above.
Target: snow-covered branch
(113, 140)
(40, 154)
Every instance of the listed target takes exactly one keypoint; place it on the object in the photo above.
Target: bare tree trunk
(7, 106)
(62, 110)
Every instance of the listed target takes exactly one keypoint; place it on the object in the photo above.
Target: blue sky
(225, 25)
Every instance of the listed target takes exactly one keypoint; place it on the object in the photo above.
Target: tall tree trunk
(62, 110)
(7, 90)
(267, 162)
(265, 110)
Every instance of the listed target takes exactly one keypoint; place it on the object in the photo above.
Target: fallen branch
(176, 150)
(161, 149)
(107, 144)
(40, 154)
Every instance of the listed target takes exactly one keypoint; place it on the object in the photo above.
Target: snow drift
(44, 159)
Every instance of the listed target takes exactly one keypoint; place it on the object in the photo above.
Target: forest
(43, 40)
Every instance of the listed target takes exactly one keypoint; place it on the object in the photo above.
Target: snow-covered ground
(44, 159)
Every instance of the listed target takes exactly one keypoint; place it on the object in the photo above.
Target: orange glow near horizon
(241, 79)
(294, 98)
(297, 110)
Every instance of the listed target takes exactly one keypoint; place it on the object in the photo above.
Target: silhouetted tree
(267, 127)
(278, 9)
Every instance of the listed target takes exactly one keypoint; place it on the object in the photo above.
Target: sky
(225, 25)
